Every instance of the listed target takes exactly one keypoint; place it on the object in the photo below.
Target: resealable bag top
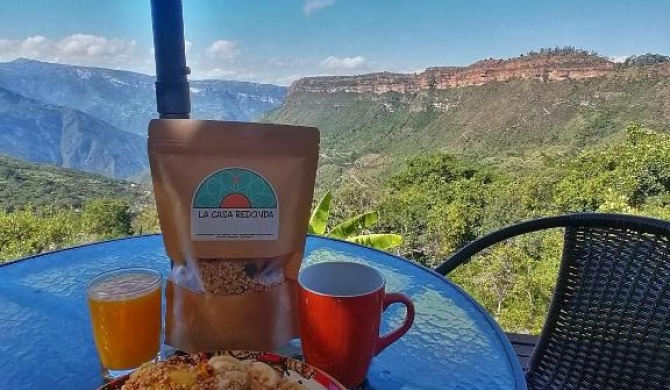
(233, 202)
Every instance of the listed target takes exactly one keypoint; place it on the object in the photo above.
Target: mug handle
(391, 337)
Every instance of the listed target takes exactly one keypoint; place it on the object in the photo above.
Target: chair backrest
(608, 325)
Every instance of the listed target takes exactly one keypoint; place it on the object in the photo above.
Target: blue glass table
(46, 340)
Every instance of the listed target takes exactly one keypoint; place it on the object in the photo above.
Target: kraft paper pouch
(233, 202)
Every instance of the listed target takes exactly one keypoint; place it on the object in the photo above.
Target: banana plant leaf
(319, 218)
(378, 241)
(352, 226)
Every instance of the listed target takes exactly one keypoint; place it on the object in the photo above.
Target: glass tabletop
(46, 339)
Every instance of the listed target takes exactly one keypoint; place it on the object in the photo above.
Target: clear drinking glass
(125, 307)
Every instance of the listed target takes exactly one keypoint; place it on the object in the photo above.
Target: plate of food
(227, 370)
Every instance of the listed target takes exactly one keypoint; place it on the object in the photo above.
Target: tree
(28, 232)
(350, 229)
(107, 218)
(146, 220)
(428, 192)
(631, 172)
(646, 59)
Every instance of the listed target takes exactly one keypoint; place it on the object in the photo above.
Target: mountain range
(512, 111)
(39, 132)
(95, 119)
(516, 111)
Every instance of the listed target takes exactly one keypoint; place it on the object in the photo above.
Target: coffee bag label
(234, 204)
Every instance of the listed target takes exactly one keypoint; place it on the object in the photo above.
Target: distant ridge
(95, 119)
(39, 132)
(516, 111)
(126, 99)
(558, 65)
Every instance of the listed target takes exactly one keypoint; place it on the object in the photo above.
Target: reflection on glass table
(46, 339)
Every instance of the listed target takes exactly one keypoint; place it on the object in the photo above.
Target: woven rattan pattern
(608, 325)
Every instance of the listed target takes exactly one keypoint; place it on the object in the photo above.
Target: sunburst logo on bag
(235, 204)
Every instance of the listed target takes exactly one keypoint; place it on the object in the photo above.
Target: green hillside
(23, 183)
(439, 203)
(44, 208)
(519, 121)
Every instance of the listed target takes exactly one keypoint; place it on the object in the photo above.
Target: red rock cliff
(536, 67)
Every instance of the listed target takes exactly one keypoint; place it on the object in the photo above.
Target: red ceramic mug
(341, 305)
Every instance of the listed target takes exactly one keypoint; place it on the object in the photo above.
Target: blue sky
(280, 40)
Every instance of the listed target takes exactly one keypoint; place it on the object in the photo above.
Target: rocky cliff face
(543, 68)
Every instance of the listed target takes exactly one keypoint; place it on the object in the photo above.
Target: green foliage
(434, 202)
(431, 170)
(450, 226)
(621, 177)
(431, 206)
(320, 214)
(514, 281)
(146, 220)
(517, 124)
(26, 231)
(439, 202)
(378, 241)
(404, 212)
(30, 231)
(43, 208)
(351, 228)
(561, 51)
(107, 218)
(646, 59)
(23, 183)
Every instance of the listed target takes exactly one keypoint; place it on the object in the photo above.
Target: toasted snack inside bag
(233, 201)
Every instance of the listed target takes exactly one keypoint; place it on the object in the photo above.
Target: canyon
(538, 67)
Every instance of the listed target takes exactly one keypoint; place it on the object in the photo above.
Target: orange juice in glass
(125, 308)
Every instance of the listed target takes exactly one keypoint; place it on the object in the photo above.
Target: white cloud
(222, 49)
(82, 45)
(286, 80)
(618, 58)
(34, 46)
(222, 59)
(77, 48)
(218, 73)
(312, 5)
(346, 63)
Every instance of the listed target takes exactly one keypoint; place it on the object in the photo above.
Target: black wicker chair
(608, 325)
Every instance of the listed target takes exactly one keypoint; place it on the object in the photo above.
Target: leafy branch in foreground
(350, 229)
